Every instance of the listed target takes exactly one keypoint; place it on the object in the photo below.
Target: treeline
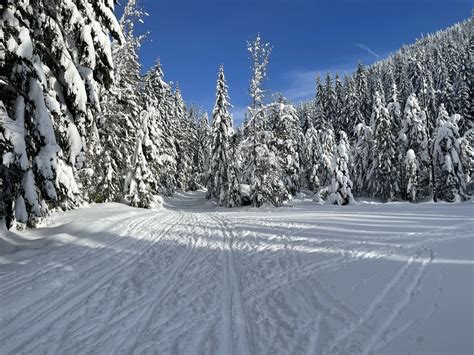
(79, 123)
(401, 129)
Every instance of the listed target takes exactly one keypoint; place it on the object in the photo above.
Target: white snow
(193, 278)
(15, 132)
(25, 48)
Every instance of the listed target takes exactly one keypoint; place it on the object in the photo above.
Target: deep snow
(193, 278)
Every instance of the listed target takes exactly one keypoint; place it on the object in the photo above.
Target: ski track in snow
(193, 279)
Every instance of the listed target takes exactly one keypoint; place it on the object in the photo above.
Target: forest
(79, 123)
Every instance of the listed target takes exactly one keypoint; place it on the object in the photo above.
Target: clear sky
(192, 38)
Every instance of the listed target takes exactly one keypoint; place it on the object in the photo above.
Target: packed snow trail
(194, 278)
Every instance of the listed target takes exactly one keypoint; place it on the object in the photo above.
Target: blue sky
(192, 38)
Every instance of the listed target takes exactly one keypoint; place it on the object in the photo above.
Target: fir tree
(362, 89)
(327, 145)
(384, 167)
(414, 135)
(312, 153)
(221, 184)
(161, 146)
(52, 93)
(466, 143)
(447, 151)
(411, 171)
(351, 112)
(256, 128)
(362, 158)
(201, 150)
(329, 101)
(183, 141)
(140, 184)
(117, 124)
(340, 190)
(286, 144)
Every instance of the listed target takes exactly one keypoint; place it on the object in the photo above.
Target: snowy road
(191, 279)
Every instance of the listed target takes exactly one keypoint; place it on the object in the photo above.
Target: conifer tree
(339, 123)
(118, 122)
(140, 184)
(286, 143)
(411, 171)
(414, 136)
(320, 117)
(161, 146)
(256, 127)
(183, 140)
(450, 179)
(201, 150)
(466, 143)
(384, 167)
(351, 112)
(362, 159)
(222, 177)
(52, 93)
(340, 190)
(327, 142)
(329, 101)
(312, 156)
(9, 171)
(363, 94)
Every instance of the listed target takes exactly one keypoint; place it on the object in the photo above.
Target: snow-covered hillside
(192, 278)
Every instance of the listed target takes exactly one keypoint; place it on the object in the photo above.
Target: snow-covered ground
(192, 278)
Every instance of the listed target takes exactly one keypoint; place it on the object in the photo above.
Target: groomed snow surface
(193, 278)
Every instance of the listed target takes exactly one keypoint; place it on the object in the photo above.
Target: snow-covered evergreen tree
(450, 179)
(394, 107)
(466, 143)
(351, 112)
(53, 93)
(329, 101)
(118, 123)
(340, 123)
(327, 145)
(363, 93)
(10, 172)
(312, 156)
(411, 171)
(234, 173)
(340, 189)
(259, 55)
(161, 146)
(222, 176)
(442, 117)
(362, 159)
(384, 182)
(183, 141)
(140, 183)
(258, 132)
(286, 135)
(202, 148)
(414, 136)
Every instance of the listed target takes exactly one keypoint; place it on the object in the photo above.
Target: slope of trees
(79, 123)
